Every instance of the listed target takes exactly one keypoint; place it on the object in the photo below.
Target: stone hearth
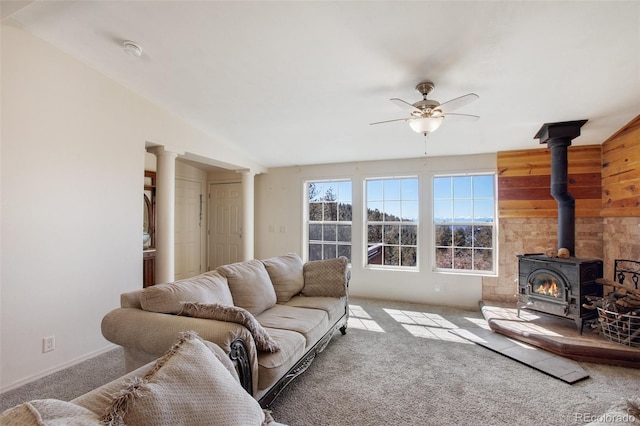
(559, 336)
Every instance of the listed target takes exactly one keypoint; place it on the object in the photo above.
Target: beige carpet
(402, 366)
(71, 382)
(399, 365)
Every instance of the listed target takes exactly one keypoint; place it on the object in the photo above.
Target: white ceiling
(298, 82)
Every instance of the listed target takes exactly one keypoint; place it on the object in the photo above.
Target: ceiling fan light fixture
(427, 115)
(426, 125)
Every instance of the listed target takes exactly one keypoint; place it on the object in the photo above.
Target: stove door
(547, 291)
(548, 284)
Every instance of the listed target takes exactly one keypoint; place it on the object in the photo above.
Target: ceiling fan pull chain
(425, 143)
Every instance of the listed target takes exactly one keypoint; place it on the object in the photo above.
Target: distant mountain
(462, 219)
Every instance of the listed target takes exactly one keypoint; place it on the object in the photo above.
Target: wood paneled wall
(621, 172)
(524, 182)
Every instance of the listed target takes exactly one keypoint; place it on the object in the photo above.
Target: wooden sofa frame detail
(240, 355)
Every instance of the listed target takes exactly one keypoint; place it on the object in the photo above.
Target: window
(329, 219)
(464, 225)
(392, 221)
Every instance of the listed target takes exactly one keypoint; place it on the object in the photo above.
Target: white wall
(72, 161)
(279, 200)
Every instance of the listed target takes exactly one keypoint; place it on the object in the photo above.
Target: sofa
(272, 317)
(193, 384)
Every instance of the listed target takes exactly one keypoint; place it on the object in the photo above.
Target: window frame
(366, 222)
(307, 241)
(494, 224)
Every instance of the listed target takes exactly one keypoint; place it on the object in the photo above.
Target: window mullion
(464, 206)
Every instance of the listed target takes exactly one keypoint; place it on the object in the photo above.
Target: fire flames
(548, 287)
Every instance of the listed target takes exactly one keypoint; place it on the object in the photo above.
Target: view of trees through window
(330, 214)
(392, 221)
(463, 216)
(463, 221)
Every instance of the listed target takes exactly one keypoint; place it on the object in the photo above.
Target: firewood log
(628, 303)
(629, 289)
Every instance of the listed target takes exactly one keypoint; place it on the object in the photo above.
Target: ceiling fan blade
(389, 121)
(456, 103)
(465, 117)
(405, 105)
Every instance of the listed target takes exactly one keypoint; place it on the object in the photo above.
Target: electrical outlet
(48, 344)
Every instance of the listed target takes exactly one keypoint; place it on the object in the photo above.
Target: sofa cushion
(210, 287)
(273, 366)
(311, 323)
(131, 299)
(250, 285)
(97, 399)
(187, 386)
(326, 277)
(335, 307)
(236, 314)
(50, 412)
(286, 275)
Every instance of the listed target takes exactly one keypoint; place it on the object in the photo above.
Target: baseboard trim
(57, 368)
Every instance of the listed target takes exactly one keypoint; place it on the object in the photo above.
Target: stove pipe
(558, 137)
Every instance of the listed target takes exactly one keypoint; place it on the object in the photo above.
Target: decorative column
(247, 214)
(165, 213)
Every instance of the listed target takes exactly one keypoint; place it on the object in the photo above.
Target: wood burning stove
(553, 285)
(558, 286)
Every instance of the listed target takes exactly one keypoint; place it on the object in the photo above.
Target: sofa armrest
(155, 333)
(326, 278)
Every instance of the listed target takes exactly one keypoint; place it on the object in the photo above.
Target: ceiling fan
(427, 115)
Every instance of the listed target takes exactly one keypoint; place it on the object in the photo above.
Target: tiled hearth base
(559, 335)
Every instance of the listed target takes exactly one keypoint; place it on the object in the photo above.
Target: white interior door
(188, 228)
(225, 224)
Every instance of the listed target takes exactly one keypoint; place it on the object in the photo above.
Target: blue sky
(464, 197)
(401, 197)
(340, 188)
(455, 197)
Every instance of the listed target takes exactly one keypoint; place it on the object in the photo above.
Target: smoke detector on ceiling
(132, 48)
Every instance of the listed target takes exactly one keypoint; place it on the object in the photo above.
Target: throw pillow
(325, 278)
(286, 275)
(236, 314)
(187, 386)
(250, 285)
(210, 287)
(50, 412)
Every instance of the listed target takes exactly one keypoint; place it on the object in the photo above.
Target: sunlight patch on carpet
(358, 312)
(426, 325)
(360, 319)
(420, 318)
(434, 333)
